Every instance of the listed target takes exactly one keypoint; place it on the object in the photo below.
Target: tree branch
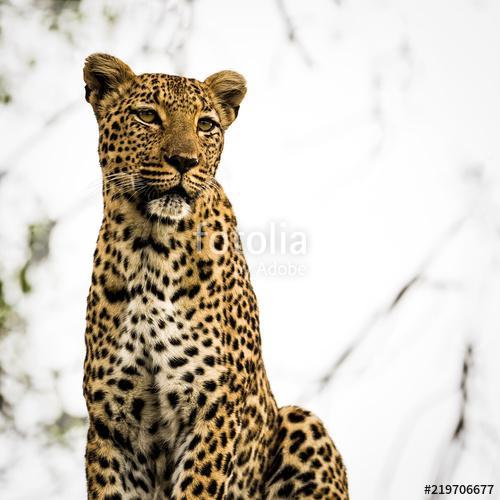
(291, 32)
(386, 309)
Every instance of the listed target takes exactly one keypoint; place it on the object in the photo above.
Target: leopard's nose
(181, 163)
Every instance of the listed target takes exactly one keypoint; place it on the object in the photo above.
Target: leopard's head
(160, 136)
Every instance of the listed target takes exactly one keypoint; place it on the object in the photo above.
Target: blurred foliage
(5, 309)
(5, 407)
(111, 15)
(7, 318)
(60, 16)
(55, 15)
(54, 9)
(5, 95)
(39, 237)
(58, 6)
(38, 247)
(65, 422)
(23, 279)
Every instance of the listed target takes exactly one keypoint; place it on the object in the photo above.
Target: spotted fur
(178, 399)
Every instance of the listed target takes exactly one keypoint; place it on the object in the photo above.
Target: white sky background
(373, 130)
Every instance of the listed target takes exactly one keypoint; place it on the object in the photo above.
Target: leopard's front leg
(119, 469)
(205, 459)
(106, 470)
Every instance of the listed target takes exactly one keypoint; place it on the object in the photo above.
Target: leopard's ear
(103, 74)
(228, 89)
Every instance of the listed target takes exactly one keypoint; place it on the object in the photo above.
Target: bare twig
(404, 432)
(291, 32)
(175, 46)
(451, 456)
(386, 309)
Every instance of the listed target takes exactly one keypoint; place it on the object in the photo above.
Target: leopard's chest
(170, 341)
(177, 360)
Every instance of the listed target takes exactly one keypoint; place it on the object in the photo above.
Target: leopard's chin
(172, 206)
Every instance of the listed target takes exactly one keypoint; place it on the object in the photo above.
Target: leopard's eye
(148, 116)
(205, 124)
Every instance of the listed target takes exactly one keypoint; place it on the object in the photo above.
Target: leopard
(179, 403)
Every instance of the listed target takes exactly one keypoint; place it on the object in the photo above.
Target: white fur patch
(173, 206)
